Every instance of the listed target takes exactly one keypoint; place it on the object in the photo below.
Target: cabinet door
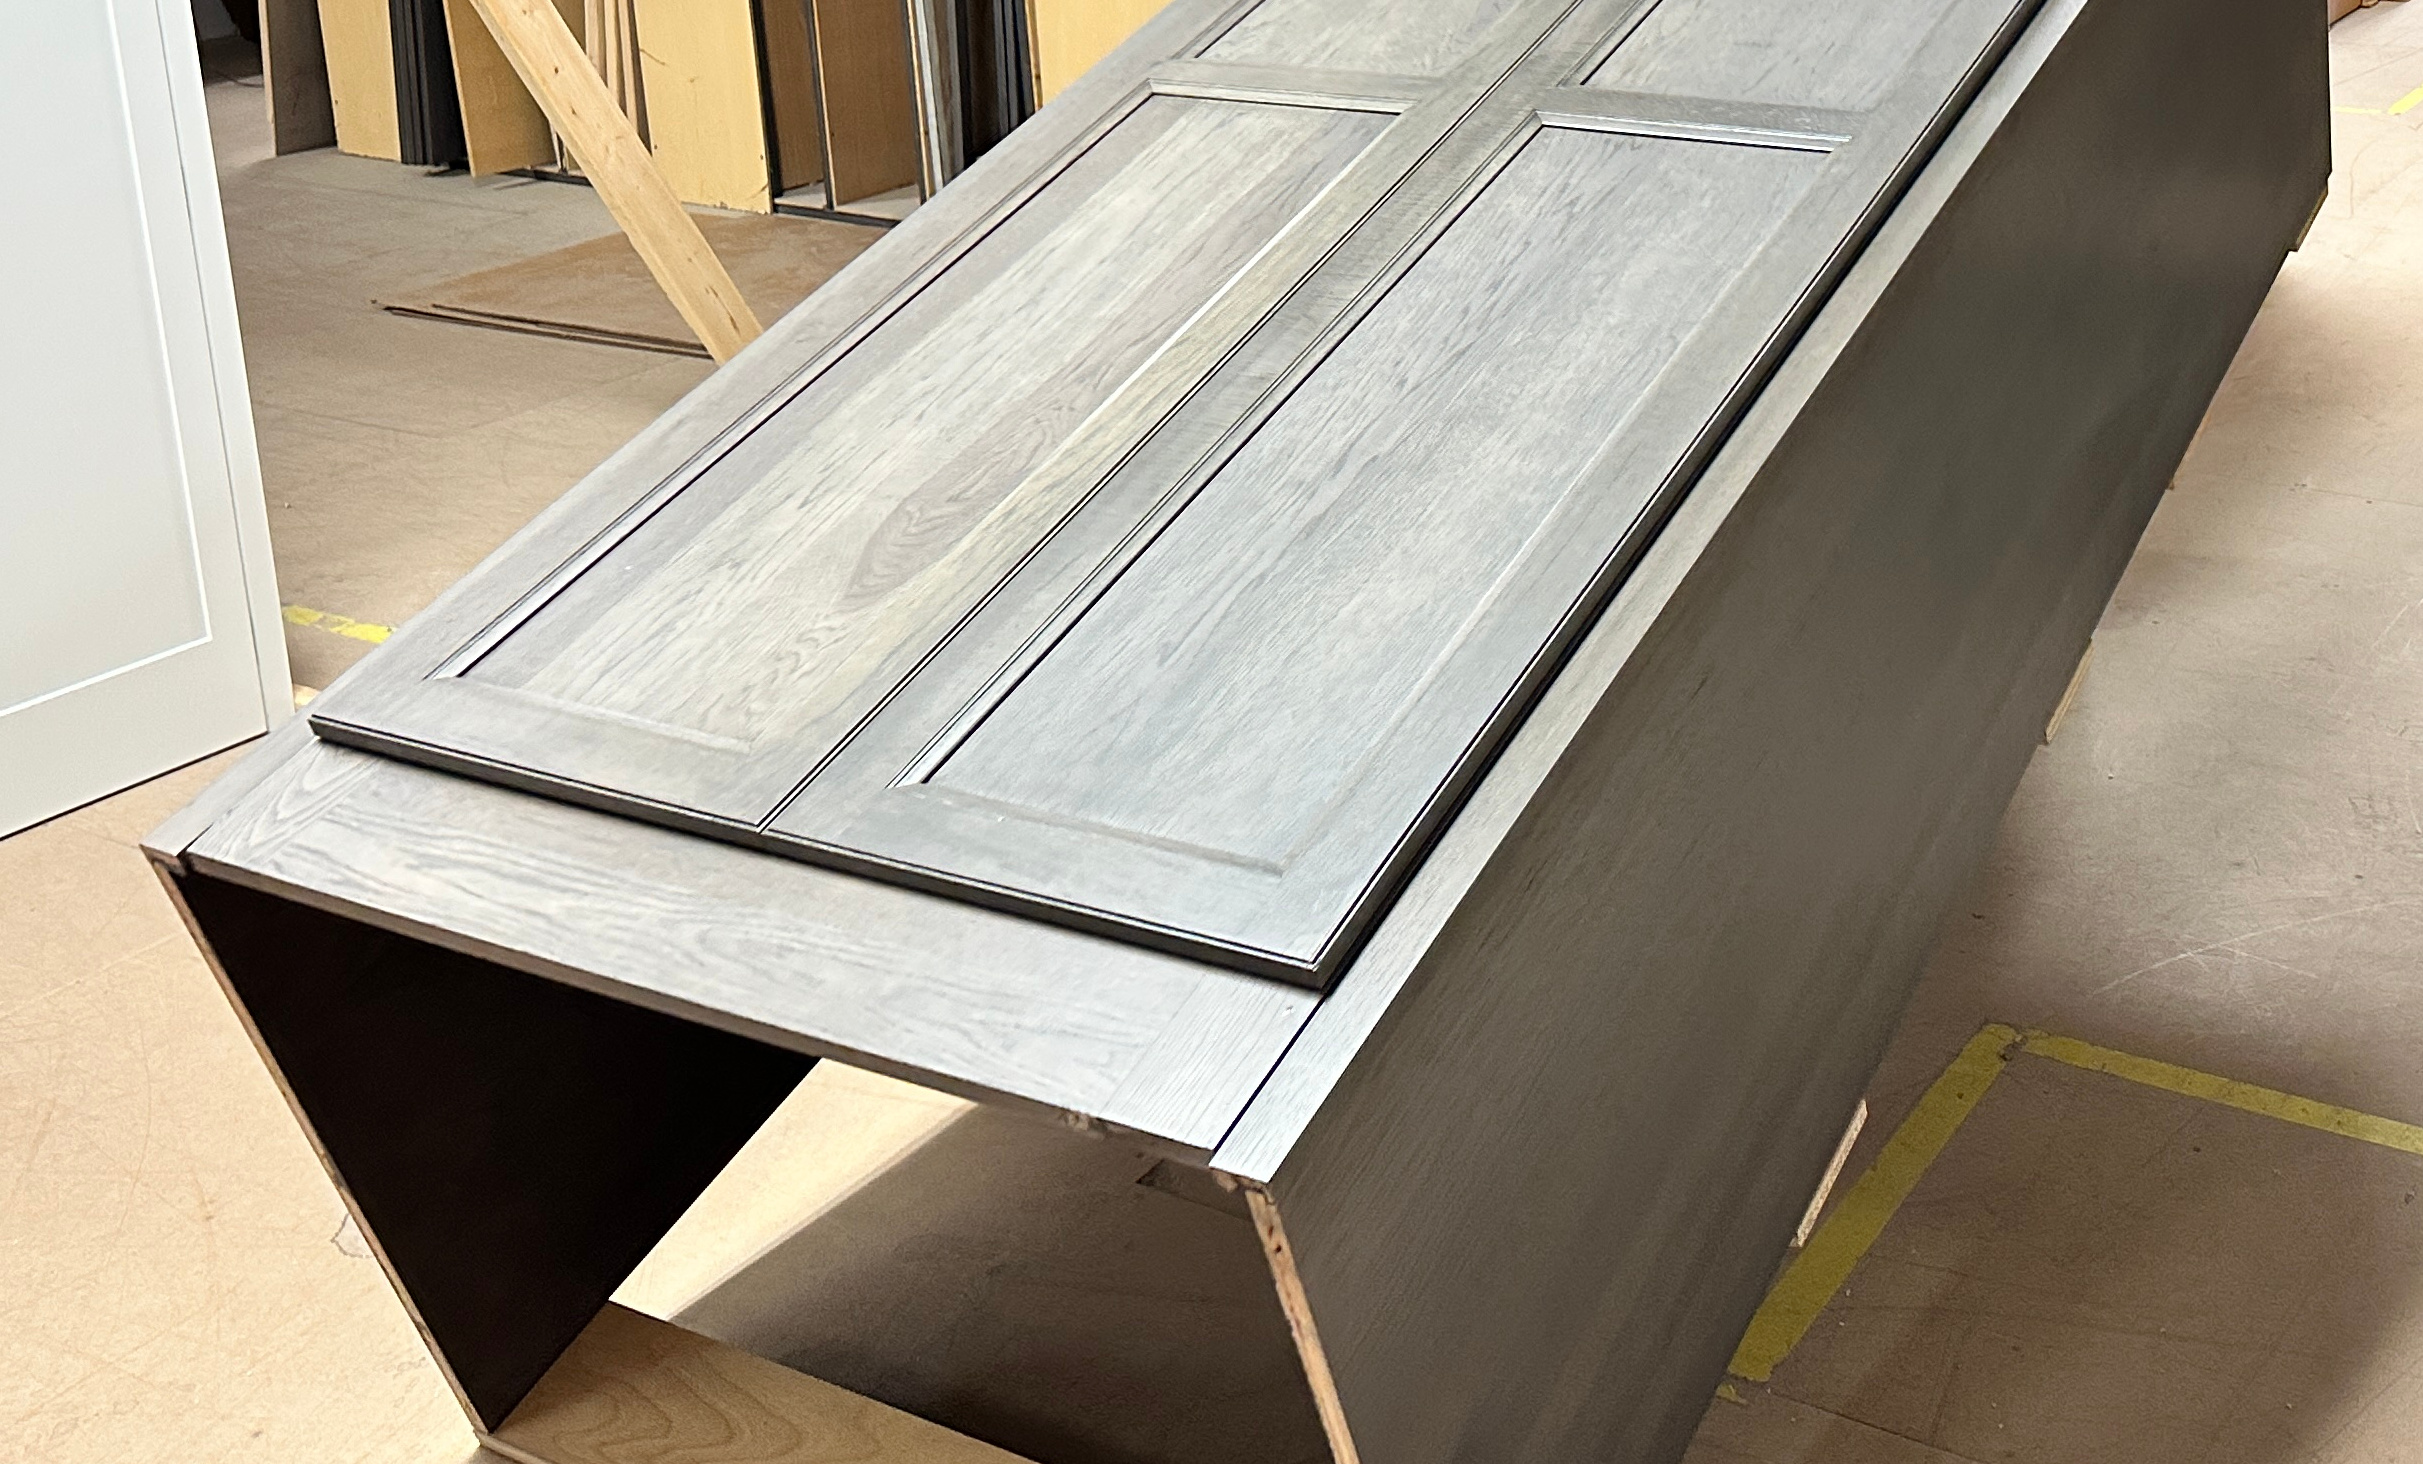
(138, 617)
(1173, 554)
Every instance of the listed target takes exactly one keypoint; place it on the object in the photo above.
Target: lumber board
(558, 74)
(866, 95)
(706, 109)
(294, 77)
(359, 45)
(635, 1390)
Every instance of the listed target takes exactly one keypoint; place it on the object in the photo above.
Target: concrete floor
(2218, 863)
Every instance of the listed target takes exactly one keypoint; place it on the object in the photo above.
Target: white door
(138, 613)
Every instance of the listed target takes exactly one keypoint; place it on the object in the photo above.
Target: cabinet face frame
(863, 785)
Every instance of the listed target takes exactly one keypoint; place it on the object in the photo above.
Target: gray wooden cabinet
(1419, 605)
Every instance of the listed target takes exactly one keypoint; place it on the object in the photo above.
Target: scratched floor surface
(2218, 863)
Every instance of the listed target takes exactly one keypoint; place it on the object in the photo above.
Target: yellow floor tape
(361, 630)
(1826, 1262)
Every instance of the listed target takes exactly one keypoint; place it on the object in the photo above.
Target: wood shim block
(634, 1390)
(294, 77)
(1825, 1186)
(2069, 695)
(1071, 35)
(706, 114)
(360, 51)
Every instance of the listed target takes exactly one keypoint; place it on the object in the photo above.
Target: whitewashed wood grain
(771, 594)
(1124, 771)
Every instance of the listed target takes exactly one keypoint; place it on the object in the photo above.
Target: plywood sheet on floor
(599, 291)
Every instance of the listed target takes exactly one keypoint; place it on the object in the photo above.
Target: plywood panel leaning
(359, 47)
(791, 93)
(706, 109)
(294, 76)
(867, 93)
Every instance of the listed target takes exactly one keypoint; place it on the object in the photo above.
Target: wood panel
(941, 73)
(429, 112)
(867, 95)
(706, 112)
(1257, 660)
(1696, 939)
(1356, 728)
(791, 92)
(634, 1390)
(1071, 35)
(294, 75)
(359, 45)
(503, 125)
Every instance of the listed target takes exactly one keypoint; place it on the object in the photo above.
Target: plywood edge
(1298, 1308)
(635, 1390)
